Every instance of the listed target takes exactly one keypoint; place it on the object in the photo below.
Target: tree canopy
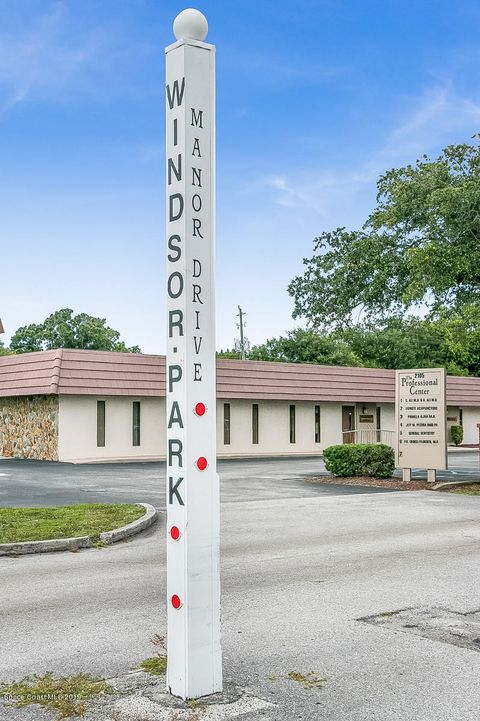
(451, 339)
(62, 329)
(3, 350)
(419, 248)
(301, 346)
(304, 346)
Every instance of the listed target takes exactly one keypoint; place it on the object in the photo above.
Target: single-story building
(90, 406)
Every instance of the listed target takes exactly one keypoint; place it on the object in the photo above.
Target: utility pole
(240, 315)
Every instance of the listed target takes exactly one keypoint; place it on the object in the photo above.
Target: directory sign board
(420, 411)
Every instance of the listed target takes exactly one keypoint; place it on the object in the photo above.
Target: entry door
(348, 424)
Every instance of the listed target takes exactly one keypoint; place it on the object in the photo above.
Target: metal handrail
(370, 435)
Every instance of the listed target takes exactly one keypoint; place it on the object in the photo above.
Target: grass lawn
(473, 489)
(82, 519)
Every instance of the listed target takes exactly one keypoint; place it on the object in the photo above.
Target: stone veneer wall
(29, 427)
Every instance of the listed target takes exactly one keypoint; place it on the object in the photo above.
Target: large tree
(460, 333)
(420, 248)
(301, 346)
(450, 339)
(64, 330)
(395, 343)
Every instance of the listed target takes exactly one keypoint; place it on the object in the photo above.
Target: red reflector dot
(200, 409)
(176, 603)
(175, 533)
(201, 463)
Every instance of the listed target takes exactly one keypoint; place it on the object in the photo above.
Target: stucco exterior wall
(77, 441)
(471, 416)
(77, 438)
(387, 416)
(274, 428)
(29, 427)
(73, 420)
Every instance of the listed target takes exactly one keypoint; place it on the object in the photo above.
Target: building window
(255, 423)
(136, 423)
(292, 424)
(226, 424)
(317, 424)
(100, 424)
(379, 424)
(460, 416)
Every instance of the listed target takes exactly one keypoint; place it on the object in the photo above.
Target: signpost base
(406, 475)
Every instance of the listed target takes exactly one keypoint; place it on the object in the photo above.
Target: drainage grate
(437, 624)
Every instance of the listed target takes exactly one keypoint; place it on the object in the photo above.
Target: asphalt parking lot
(36, 483)
(39, 483)
(300, 570)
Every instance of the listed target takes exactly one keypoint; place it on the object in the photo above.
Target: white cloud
(438, 118)
(44, 60)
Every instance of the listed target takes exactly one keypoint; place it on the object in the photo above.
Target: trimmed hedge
(457, 434)
(360, 459)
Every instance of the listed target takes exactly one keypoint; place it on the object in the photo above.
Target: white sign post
(420, 405)
(193, 513)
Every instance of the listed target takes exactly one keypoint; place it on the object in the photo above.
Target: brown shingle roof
(84, 372)
(295, 381)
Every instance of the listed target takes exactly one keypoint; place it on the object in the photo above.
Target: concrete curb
(73, 544)
(54, 544)
(446, 484)
(118, 534)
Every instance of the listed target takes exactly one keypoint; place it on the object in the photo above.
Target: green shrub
(360, 459)
(457, 434)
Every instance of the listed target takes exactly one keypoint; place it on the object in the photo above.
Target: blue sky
(314, 100)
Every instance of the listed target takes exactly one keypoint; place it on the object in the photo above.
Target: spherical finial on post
(190, 24)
